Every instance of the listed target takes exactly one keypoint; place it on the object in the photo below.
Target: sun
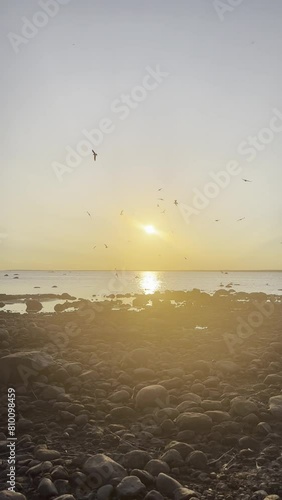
(150, 229)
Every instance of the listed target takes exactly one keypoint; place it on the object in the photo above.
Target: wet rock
(33, 305)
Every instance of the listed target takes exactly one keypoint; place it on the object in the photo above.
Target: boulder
(21, 367)
(103, 469)
(136, 459)
(197, 422)
(11, 495)
(130, 487)
(151, 395)
(33, 305)
(242, 407)
(275, 406)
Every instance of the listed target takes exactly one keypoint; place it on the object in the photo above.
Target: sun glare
(150, 229)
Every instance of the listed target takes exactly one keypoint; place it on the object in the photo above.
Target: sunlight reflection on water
(149, 282)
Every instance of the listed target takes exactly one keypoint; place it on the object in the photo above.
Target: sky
(171, 95)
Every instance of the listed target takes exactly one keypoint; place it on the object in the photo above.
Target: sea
(95, 285)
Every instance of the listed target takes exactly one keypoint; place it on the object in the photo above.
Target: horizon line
(149, 270)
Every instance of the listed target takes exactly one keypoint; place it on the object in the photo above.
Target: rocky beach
(173, 395)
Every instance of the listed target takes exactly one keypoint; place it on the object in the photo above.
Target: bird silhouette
(163, 212)
(106, 246)
(217, 220)
(242, 218)
(175, 203)
(94, 155)
(160, 189)
(161, 199)
(89, 214)
(94, 247)
(246, 180)
(121, 213)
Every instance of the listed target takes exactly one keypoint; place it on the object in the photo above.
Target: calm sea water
(85, 284)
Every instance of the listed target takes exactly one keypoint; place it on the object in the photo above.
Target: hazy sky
(219, 101)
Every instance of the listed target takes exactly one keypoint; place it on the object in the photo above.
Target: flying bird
(242, 218)
(163, 212)
(246, 180)
(89, 214)
(160, 189)
(185, 258)
(217, 220)
(94, 247)
(121, 213)
(175, 203)
(94, 155)
(106, 246)
(161, 199)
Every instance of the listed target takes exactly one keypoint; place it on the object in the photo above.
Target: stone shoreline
(178, 400)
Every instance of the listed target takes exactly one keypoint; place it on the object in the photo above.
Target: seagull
(242, 218)
(94, 155)
(175, 202)
(160, 189)
(121, 213)
(185, 258)
(217, 220)
(106, 246)
(89, 214)
(94, 247)
(246, 180)
(161, 199)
